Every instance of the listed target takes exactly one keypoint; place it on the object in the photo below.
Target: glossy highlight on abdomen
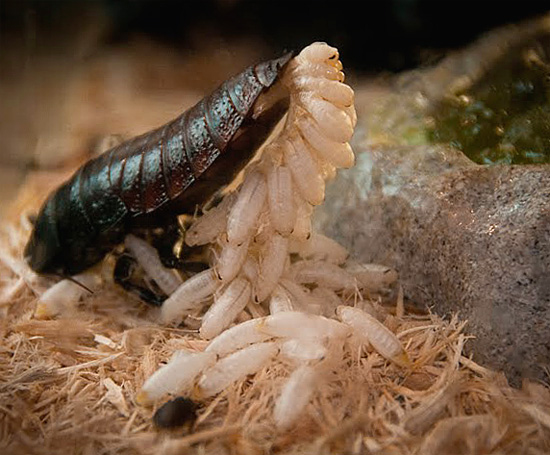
(163, 173)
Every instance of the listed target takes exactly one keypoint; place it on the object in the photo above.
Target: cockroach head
(42, 247)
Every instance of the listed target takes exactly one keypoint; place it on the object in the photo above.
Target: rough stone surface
(463, 237)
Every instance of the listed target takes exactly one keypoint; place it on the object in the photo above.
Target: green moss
(504, 117)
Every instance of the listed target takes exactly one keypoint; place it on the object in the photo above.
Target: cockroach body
(149, 180)
(176, 413)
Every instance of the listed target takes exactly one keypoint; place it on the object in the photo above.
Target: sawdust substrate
(67, 386)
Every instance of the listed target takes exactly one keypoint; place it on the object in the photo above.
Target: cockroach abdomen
(197, 138)
(177, 170)
(171, 170)
(153, 184)
(268, 71)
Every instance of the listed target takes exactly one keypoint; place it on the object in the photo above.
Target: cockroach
(176, 413)
(149, 180)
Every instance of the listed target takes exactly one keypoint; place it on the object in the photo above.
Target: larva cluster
(268, 261)
(275, 289)
(256, 229)
(313, 344)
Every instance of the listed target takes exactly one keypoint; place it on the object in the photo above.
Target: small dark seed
(175, 413)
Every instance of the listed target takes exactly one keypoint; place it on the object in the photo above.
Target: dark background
(390, 35)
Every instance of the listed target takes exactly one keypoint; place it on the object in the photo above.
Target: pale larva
(248, 205)
(295, 324)
(273, 256)
(305, 171)
(320, 247)
(338, 154)
(237, 337)
(338, 125)
(282, 211)
(280, 301)
(189, 295)
(374, 277)
(231, 259)
(319, 52)
(176, 376)
(65, 293)
(234, 367)
(323, 274)
(371, 330)
(333, 91)
(211, 224)
(226, 308)
(147, 257)
(295, 396)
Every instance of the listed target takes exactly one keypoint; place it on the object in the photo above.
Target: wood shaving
(68, 386)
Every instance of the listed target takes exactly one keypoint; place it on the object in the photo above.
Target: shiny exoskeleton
(176, 413)
(151, 178)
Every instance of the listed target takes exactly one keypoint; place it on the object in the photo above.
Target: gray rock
(463, 237)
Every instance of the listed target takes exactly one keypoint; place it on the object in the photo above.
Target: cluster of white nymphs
(312, 344)
(275, 288)
(256, 229)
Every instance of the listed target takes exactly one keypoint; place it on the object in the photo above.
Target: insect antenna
(73, 280)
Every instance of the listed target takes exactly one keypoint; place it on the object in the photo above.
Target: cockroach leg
(125, 276)
(78, 283)
(169, 241)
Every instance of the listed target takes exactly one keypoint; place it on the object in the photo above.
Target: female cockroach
(150, 179)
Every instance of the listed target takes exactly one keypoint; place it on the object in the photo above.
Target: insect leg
(168, 241)
(124, 276)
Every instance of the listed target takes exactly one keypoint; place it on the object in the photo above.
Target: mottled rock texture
(467, 238)
(464, 237)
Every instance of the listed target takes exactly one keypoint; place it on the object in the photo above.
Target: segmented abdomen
(160, 172)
